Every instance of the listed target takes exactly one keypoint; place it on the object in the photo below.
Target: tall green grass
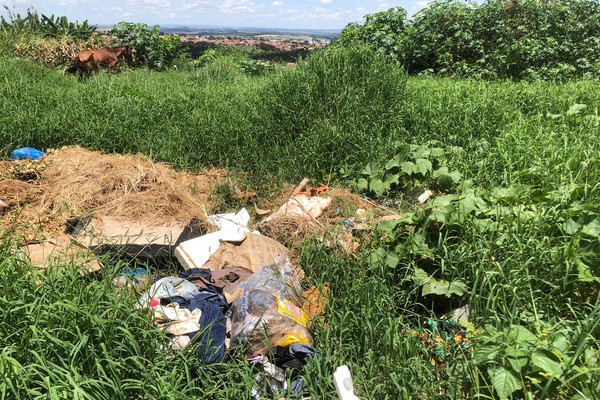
(67, 337)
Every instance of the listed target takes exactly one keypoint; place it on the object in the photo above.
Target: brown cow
(88, 61)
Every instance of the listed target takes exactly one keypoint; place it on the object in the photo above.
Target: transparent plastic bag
(266, 314)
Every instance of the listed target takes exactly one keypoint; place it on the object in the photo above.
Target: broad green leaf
(408, 167)
(471, 203)
(584, 273)
(561, 342)
(484, 353)
(505, 382)
(437, 152)
(519, 333)
(378, 187)
(445, 178)
(505, 194)
(394, 162)
(368, 170)
(392, 260)
(430, 285)
(571, 227)
(418, 245)
(420, 152)
(576, 109)
(517, 358)
(592, 228)
(442, 201)
(392, 179)
(423, 166)
(362, 184)
(546, 361)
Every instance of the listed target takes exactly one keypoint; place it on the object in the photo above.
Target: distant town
(268, 42)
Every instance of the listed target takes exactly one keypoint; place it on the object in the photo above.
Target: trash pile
(238, 292)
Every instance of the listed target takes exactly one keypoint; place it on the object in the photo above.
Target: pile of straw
(82, 182)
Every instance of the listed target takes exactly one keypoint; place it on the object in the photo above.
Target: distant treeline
(263, 51)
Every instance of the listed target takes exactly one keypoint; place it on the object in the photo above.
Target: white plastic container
(343, 383)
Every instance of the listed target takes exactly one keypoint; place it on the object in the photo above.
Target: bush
(344, 99)
(150, 48)
(518, 39)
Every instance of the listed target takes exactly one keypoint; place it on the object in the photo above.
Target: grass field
(513, 230)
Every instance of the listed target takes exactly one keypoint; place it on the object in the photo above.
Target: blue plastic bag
(26, 153)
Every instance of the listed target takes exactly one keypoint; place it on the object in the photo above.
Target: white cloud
(325, 1)
(421, 4)
(277, 3)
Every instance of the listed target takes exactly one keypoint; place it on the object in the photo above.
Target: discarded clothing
(167, 287)
(213, 324)
(226, 280)
(177, 321)
(293, 357)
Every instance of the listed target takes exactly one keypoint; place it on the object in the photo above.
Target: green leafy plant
(526, 39)
(516, 360)
(150, 48)
(419, 165)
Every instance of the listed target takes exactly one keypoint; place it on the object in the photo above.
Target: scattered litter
(138, 277)
(26, 153)
(203, 320)
(316, 301)
(195, 252)
(441, 337)
(301, 206)
(348, 224)
(345, 239)
(461, 315)
(252, 252)
(393, 217)
(261, 212)
(1, 207)
(226, 279)
(273, 373)
(266, 313)
(60, 251)
(361, 213)
(139, 241)
(343, 383)
(166, 287)
(422, 199)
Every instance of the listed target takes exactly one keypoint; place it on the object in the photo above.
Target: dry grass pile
(75, 182)
(82, 182)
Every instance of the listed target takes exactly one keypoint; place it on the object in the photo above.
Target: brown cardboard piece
(62, 250)
(251, 253)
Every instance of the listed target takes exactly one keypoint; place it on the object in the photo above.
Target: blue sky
(261, 13)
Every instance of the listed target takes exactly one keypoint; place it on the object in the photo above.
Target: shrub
(518, 39)
(150, 48)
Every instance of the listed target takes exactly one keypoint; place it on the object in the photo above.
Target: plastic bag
(266, 314)
(169, 286)
(26, 153)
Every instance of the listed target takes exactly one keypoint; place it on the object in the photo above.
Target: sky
(293, 14)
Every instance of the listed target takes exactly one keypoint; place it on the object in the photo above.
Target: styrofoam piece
(195, 252)
(343, 383)
(422, 199)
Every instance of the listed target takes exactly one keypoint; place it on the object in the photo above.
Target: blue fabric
(301, 351)
(212, 321)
